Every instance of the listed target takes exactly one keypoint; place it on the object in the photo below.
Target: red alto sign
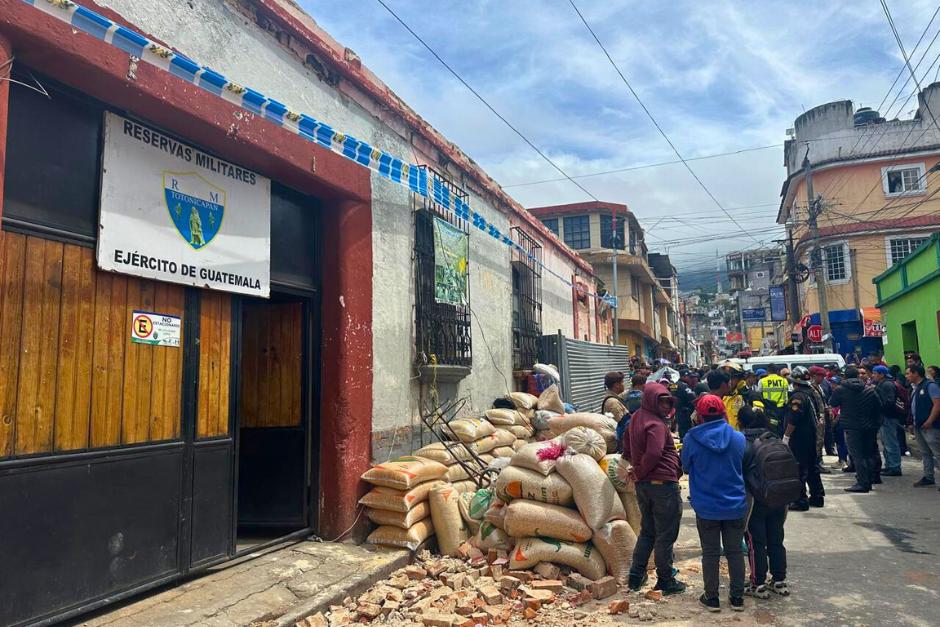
(814, 333)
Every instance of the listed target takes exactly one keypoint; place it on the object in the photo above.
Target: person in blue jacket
(712, 456)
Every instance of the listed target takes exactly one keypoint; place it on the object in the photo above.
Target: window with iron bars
(526, 300)
(442, 331)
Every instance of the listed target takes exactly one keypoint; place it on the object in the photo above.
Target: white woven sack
(585, 440)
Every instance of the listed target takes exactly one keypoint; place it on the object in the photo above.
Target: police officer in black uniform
(685, 402)
(801, 421)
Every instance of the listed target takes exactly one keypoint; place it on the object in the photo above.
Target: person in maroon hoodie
(649, 446)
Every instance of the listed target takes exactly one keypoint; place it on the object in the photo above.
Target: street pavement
(862, 560)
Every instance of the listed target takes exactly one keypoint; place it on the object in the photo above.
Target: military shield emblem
(196, 206)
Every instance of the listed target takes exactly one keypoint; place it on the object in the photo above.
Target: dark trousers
(714, 534)
(809, 475)
(902, 439)
(863, 450)
(684, 421)
(841, 447)
(661, 512)
(765, 543)
(876, 464)
(830, 439)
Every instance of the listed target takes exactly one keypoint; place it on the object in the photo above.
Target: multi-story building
(601, 231)
(750, 276)
(876, 184)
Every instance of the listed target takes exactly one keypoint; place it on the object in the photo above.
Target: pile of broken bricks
(477, 589)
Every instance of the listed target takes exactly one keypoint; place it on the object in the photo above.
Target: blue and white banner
(383, 163)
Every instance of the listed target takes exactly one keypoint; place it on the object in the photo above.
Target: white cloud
(718, 76)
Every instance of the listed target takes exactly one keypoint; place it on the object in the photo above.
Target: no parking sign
(155, 329)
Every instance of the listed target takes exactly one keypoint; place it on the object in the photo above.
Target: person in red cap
(713, 457)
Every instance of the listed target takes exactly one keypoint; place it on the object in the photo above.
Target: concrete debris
(440, 591)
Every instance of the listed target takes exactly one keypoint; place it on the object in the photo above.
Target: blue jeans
(889, 441)
(843, 450)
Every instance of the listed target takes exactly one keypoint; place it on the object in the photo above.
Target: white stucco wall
(214, 34)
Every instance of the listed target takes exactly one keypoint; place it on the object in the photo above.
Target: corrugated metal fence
(582, 366)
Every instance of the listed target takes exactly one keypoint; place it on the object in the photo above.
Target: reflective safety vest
(775, 390)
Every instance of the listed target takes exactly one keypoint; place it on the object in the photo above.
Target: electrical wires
(655, 123)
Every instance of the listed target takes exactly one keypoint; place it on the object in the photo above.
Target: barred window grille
(901, 247)
(526, 300)
(442, 331)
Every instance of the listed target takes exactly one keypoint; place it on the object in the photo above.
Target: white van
(821, 359)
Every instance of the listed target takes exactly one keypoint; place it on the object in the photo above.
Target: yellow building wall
(853, 194)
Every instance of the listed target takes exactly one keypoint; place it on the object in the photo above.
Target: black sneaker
(737, 603)
(892, 473)
(670, 586)
(877, 480)
(799, 507)
(858, 489)
(924, 482)
(635, 583)
(712, 605)
(817, 501)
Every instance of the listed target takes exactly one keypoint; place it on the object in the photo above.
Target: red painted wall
(95, 68)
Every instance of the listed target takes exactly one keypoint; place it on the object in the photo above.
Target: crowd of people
(752, 443)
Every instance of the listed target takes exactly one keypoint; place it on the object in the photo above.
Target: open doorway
(273, 420)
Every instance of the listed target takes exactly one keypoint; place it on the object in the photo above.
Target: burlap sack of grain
(523, 401)
(617, 512)
(504, 436)
(504, 451)
(402, 538)
(585, 440)
(393, 500)
(616, 468)
(446, 454)
(539, 456)
(463, 503)
(528, 415)
(470, 429)
(491, 537)
(484, 445)
(584, 558)
(457, 473)
(503, 417)
(522, 433)
(632, 510)
(518, 444)
(467, 485)
(404, 473)
(448, 523)
(496, 514)
(522, 483)
(615, 541)
(593, 493)
(403, 520)
(526, 518)
(550, 400)
(599, 422)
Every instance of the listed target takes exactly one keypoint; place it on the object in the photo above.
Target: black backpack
(776, 481)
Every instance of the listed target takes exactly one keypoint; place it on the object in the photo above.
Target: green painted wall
(918, 306)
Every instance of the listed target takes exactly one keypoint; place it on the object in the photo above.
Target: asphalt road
(866, 558)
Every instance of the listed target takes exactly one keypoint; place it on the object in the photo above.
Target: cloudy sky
(720, 76)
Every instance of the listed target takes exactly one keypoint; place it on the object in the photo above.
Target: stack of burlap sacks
(401, 500)
(564, 500)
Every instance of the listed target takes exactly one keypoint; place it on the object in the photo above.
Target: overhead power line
(484, 101)
(653, 120)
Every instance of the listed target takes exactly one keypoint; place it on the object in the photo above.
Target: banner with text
(174, 213)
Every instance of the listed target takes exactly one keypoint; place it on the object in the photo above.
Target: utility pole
(613, 241)
(855, 297)
(814, 208)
